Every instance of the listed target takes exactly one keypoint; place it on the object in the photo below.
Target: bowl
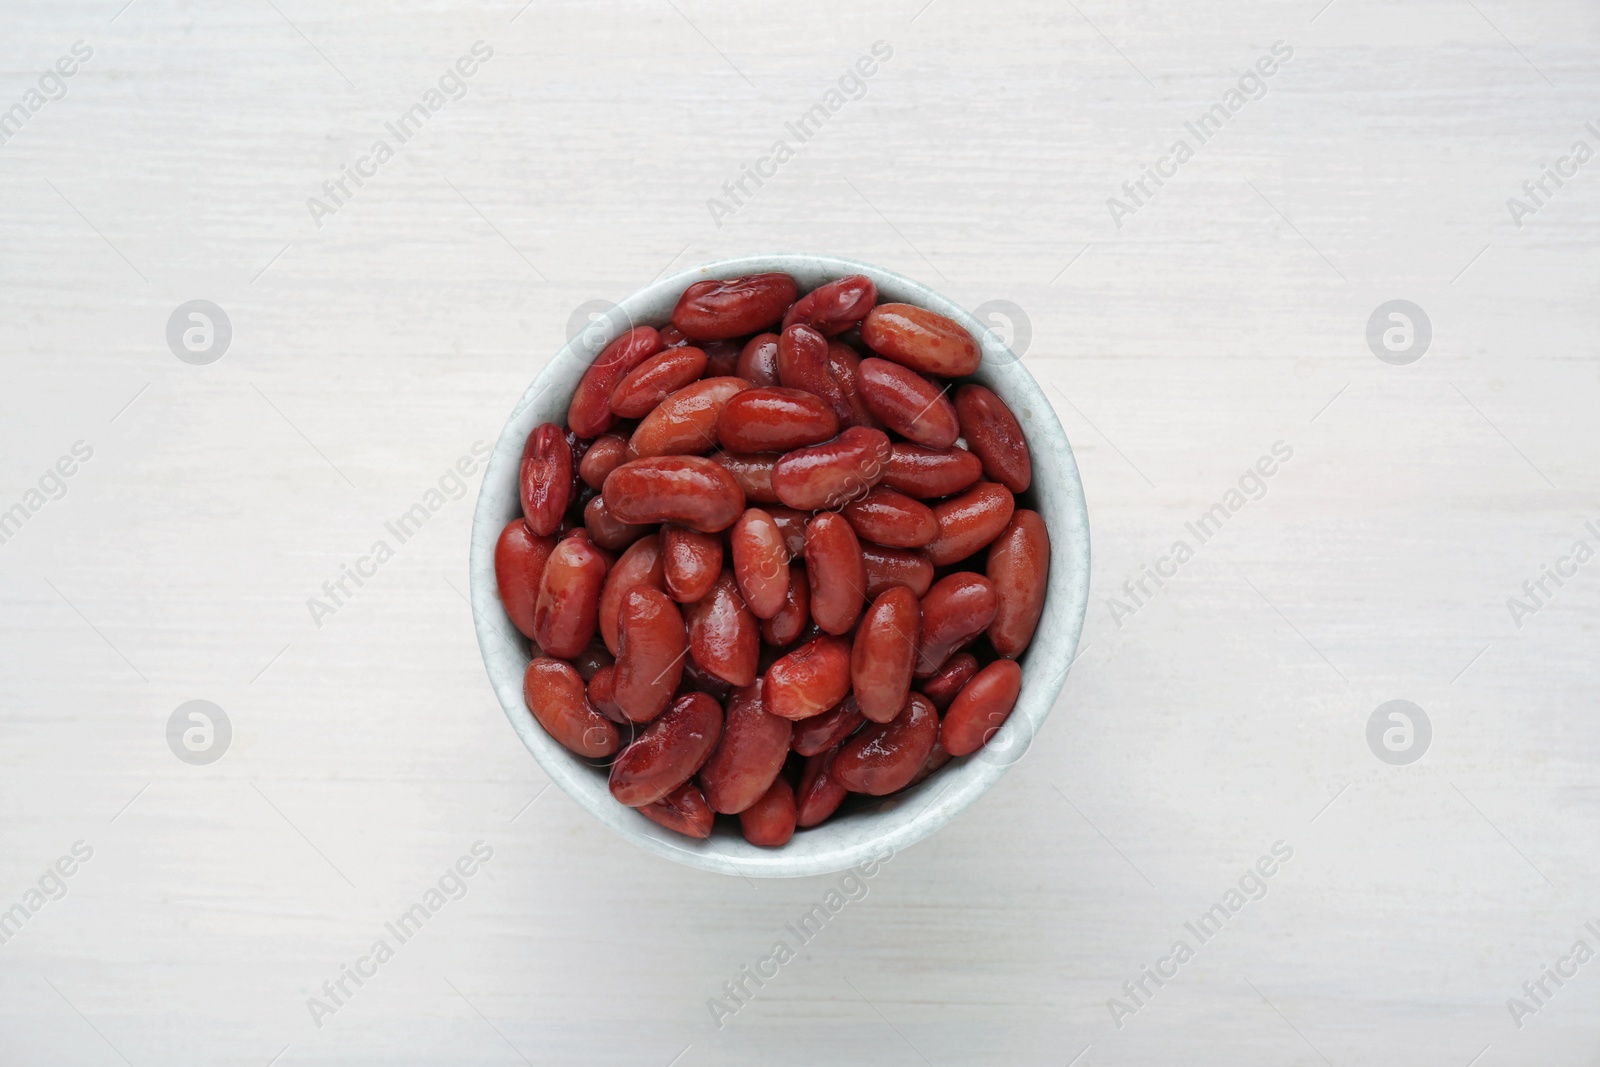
(865, 828)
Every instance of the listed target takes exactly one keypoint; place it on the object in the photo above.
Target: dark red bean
(603, 457)
(835, 306)
(687, 489)
(803, 364)
(657, 378)
(994, 435)
(639, 566)
(760, 563)
(683, 810)
(923, 340)
(519, 559)
(565, 612)
(969, 522)
(724, 638)
(685, 423)
(546, 482)
(884, 652)
(896, 566)
(947, 681)
(722, 359)
(887, 517)
(717, 309)
(792, 524)
(981, 708)
(770, 821)
(775, 420)
(845, 366)
(809, 680)
(958, 608)
(753, 472)
(838, 575)
(555, 694)
(758, 360)
(832, 474)
(908, 403)
(668, 752)
(785, 627)
(822, 732)
(1019, 567)
(651, 646)
(748, 758)
(929, 473)
(690, 562)
(589, 414)
(607, 531)
(884, 757)
(819, 794)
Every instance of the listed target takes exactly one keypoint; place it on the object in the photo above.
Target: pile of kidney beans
(770, 562)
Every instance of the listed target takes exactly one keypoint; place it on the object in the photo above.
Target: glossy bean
(758, 360)
(590, 414)
(639, 565)
(684, 810)
(685, 423)
(941, 688)
(1019, 567)
(937, 758)
(770, 821)
(775, 419)
(923, 340)
(834, 307)
(565, 612)
(668, 752)
(753, 472)
(822, 732)
(546, 478)
(608, 533)
(981, 708)
(555, 694)
(884, 652)
(760, 562)
(803, 364)
(887, 517)
(888, 567)
(819, 795)
(884, 757)
(690, 561)
(845, 366)
(651, 644)
(792, 524)
(995, 437)
(603, 694)
(594, 656)
(908, 403)
(785, 627)
(519, 559)
(657, 378)
(722, 358)
(809, 680)
(958, 608)
(716, 309)
(688, 489)
(969, 522)
(696, 679)
(929, 473)
(672, 337)
(832, 474)
(837, 574)
(604, 456)
(724, 638)
(749, 756)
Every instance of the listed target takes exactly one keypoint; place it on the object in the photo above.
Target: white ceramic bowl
(864, 829)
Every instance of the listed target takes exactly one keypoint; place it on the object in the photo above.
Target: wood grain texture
(1226, 714)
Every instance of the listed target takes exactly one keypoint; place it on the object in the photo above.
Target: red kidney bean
(834, 307)
(546, 481)
(716, 309)
(589, 414)
(958, 608)
(607, 532)
(603, 694)
(969, 522)
(685, 423)
(753, 472)
(579, 447)
(981, 708)
(594, 656)
(818, 795)
(603, 457)
(809, 680)
(770, 821)
(888, 567)
(555, 694)
(803, 364)
(995, 436)
(921, 339)
(690, 561)
(792, 524)
(884, 757)
(696, 679)
(722, 359)
(884, 652)
(519, 559)
(651, 646)
(928, 473)
(672, 337)
(832, 474)
(687, 489)
(639, 566)
(684, 810)
(936, 759)
(822, 732)
(785, 627)
(724, 638)
(886, 517)
(908, 403)
(845, 366)
(947, 681)
(838, 576)
(1019, 567)
(668, 752)
(748, 758)
(775, 420)
(655, 379)
(569, 596)
(760, 563)
(758, 360)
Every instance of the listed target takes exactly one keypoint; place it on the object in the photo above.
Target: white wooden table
(1229, 712)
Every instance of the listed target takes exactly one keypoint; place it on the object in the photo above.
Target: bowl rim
(883, 825)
